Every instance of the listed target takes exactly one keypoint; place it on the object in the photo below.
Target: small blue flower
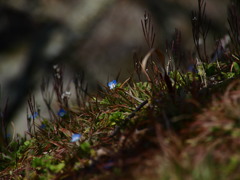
(112, 84)
(62, 112)
(75, 137)
(34, 116)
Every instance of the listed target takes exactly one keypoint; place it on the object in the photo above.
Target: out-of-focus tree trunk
(50, 40)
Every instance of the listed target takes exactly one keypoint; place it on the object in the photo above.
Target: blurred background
(97, 37)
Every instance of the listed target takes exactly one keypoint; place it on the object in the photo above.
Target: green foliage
(25, 147)
(116, 117)
(85, 150)
(47, 163)
(236, 67)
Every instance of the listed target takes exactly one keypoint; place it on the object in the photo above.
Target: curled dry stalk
(140, 64)
(200, 28)
(157, 63)
(149, 35)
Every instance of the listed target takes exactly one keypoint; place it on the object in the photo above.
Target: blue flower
(112, 84)
(62, 112)
(34, 116)
(75, 137)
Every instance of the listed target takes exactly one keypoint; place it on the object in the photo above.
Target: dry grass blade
(125, 82)
(144, 63)
(66, 132)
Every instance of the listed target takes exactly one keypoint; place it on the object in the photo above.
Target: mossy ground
(170, 137)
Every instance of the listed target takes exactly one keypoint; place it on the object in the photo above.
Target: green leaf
(57, 168)
(86, 147)
(236, 67)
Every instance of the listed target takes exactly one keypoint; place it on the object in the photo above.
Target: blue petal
(61, 112)
(112, 84)
(75, 137)
(34, 116)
